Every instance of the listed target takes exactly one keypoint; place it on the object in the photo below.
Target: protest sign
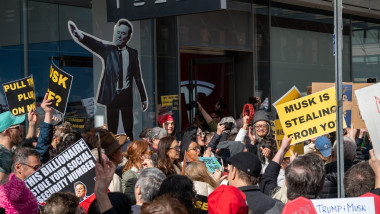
(74, 166)
(59, 88)
(309, 116)
(359, 205)
(78, 123)
(368, 99)
(292, 94)
(20, 95)
(168, 99)
(350, 106)
(211, 163)
(201, 204)
(296, 148)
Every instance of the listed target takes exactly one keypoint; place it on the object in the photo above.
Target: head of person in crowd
(323, 147)
(193, 134)
(233, 147)
(112, 145)
(10, 129)
(148, 185)
(144, 134)
(59, 132)
(168, 155)
(30, 142)
(261, 124)
(198, 173)
(305, 177)
(80, 190)
(155, 135)
(137, 152)
(227, 200)
(120, 203)
(349, 148)
(216, 116)
(189, 145)
(230, 125)
(359, 180)
(166, 203)
(25, 161)
(181, 187)
(62, 203)
(67, 140)
(167, 122)
(244, 169)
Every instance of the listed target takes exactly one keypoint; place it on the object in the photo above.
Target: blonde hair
(197, 171)
(62, 129)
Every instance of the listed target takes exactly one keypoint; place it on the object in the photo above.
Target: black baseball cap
(247, 162)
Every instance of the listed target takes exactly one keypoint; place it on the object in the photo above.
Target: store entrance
(205, 79)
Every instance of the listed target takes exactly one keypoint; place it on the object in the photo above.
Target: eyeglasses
(260, 126)
(148, 153)
(36, 167)
(175, 148)
(196, 148)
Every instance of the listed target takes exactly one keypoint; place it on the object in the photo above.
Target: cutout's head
(122, 33)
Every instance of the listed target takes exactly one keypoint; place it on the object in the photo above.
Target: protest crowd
(218, 164)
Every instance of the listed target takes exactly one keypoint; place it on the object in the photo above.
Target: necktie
(120, 79)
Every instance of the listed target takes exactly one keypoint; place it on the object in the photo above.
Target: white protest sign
(369, 105)
(361, 205)
(74, 166)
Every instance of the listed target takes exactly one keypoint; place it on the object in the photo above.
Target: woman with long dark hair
(168, 155)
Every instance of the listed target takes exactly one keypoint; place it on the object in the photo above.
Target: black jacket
(256, 200)
(269, 179)
(330, 187)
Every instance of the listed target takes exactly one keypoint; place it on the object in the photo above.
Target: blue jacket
(44, 140)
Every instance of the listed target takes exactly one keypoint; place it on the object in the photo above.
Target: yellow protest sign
(168, 100)
(292, 94)
(297, 148)
(309, 116)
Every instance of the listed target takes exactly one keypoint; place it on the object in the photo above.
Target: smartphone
(99, 147)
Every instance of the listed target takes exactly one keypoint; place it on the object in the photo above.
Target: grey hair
(228, 120)
(150, 181)
(21, 154)
(349, 147)
(157, 133)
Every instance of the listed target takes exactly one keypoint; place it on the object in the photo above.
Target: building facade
(230, 49)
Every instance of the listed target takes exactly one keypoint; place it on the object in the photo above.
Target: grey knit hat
(261, 116)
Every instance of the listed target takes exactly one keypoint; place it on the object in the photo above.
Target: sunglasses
(201, 134)
(36, 167)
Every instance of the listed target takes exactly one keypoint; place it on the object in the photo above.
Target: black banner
(78, 124)
(146, 9)
(59, 88)
(73, 169)
(20, 95)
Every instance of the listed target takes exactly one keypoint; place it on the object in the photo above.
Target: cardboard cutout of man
(120, 66)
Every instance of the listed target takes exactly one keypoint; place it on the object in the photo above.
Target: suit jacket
(109, 54)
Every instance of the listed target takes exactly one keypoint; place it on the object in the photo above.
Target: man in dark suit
(120, 66)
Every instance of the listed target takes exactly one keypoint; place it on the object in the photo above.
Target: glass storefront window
(365, 50)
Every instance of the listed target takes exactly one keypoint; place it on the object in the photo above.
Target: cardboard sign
(211, 163)
(369, 104)
(359, 205)
(309, 116)
(62, 173)
(350, 106)
(296, 148)
(89, 104)
(292, 94)
(20, 95)
(78, 123)
(59, 88)
(168, 99)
